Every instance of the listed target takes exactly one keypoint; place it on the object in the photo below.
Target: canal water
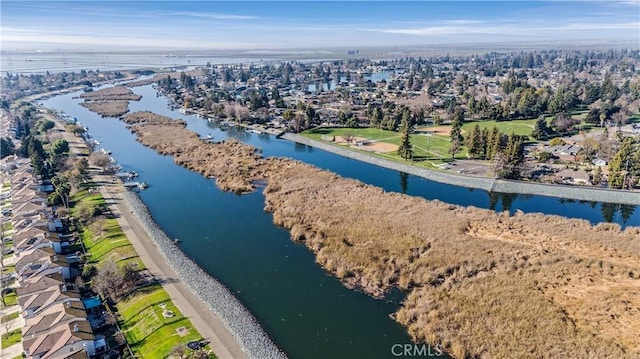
(307, 312)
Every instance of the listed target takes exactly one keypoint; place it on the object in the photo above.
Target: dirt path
(206, 322)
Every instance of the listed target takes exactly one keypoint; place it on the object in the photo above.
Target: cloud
(213, 16)
(507, 29)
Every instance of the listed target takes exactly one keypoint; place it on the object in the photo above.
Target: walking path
(487, 184)
(222, 341)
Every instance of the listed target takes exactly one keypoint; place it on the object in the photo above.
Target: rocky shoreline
(253, 339)
(487, 184)
(470, 273)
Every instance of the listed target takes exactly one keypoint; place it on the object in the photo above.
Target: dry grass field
(108, 108)
(109, 102)
(481, 284)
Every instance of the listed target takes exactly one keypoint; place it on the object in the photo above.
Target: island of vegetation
(110, 101)
(479, 283)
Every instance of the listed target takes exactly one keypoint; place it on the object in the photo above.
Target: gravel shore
(253, 339)
(487, 184)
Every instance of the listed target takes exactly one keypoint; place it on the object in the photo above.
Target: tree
(179, 351)
(499, 164)
(563, 123)
(85, 211)
(596, 177)
(456, 133)
(593, 116)
(59, 147)
(62, 190)
(77, 130)
(107, 280)
(475, 142)
(541, 130)
(99, 159)
(405, 151)
(130, 275)
(514, 154)
(7, 147)
(42, 126)
(278, 101)
(98, 227)
(621, 162)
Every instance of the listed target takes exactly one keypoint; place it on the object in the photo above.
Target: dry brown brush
(482, 284)
(109, 102)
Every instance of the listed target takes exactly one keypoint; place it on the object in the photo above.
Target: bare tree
(348, 137)
(108, 280)
(179, 351)
(85, 211)
(101, 160)
(130, 275)
(98, 227)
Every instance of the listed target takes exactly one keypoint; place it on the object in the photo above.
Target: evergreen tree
(541, 130)
(405, 150)
(475, 143)
(6, 147)
(621, 163)
(514, 153)
(456, 133)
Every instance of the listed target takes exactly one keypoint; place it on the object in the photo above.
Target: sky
(229, 25)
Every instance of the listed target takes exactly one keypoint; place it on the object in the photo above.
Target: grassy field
(150, 333)
(519, 127)
(11, 338)
(9, 317)
(428, 150)
(113, 244)
(431, 149)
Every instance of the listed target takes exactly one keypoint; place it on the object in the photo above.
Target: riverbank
(479, 283)
(224, 342)
(230, 314)
(487, 184)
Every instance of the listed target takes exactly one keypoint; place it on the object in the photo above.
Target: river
(306, 311)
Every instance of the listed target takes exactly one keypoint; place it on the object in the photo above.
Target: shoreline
(249, 334)
(487, 184)
(215, 326)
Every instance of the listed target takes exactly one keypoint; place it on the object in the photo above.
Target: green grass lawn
(8, 269)
(11, 338)
(426, 148)
(519, 127)
(148, 332)
(11, 299)
(9, 317)
(113, 245)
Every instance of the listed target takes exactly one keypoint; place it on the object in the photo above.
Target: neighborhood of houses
(55, 321)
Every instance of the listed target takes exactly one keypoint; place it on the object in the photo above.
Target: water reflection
(404, 182)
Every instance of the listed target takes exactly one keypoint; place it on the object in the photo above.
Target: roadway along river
(308, 313)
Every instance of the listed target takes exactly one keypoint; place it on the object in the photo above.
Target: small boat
(209, 136)
(142, 185)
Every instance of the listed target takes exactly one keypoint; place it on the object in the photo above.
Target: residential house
(62, 341)
(575, 177)
(33, 304)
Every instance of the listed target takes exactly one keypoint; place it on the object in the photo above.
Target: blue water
(307, 312)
